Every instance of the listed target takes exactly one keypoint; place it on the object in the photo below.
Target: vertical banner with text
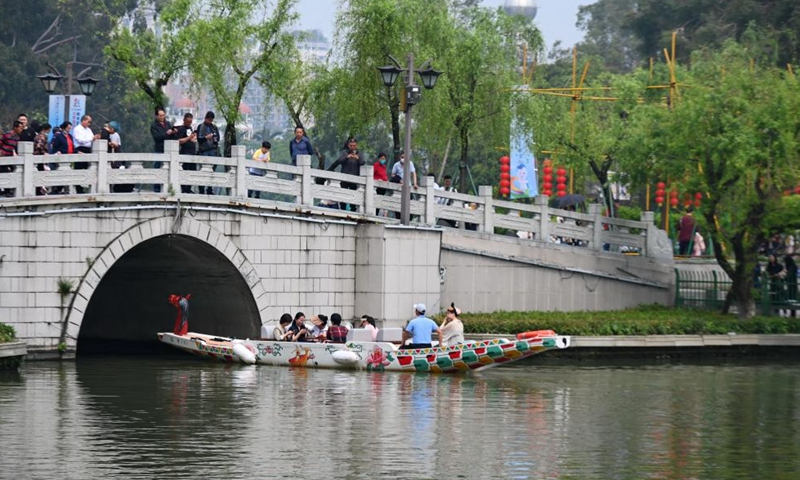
(77, 108)
(523, 163)
(55, 114)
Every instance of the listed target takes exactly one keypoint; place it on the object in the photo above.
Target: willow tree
(233, 40)
(152, 59)
(368, 32)
(734, 136)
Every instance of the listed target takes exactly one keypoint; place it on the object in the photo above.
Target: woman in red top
(379, 173)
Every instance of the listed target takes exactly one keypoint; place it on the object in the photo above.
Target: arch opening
(130, 305)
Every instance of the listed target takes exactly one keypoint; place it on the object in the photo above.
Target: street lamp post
(50, 83)
(389, 74)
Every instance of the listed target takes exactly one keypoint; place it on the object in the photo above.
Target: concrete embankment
(11, 354)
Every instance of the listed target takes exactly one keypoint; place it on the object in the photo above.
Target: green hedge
(649, 320)
(7, 333)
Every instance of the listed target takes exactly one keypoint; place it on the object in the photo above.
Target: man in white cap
(420, 329)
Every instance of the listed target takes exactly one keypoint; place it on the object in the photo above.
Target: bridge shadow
(130, 305)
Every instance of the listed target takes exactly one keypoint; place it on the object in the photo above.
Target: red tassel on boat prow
(181, 304)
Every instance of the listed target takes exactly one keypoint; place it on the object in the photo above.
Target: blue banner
(523, 163)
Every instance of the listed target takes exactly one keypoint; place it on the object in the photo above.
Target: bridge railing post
(430, 200)
(596, 210)
(100, 147)
(25, 150)
(238, 152)
(171, 149)
(651, 238)
(485, 192)
(306, 197)
(369, 189)
(544, 217)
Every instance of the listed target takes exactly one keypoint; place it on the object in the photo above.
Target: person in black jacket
(161, 131)
(350, 161)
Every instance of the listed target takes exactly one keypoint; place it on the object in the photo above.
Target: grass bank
(648, 320)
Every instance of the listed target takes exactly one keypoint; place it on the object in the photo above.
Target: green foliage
(7, 333)
(65, 287)
(647, 320)
(234, 40)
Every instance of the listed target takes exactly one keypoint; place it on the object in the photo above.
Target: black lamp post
(50, 83)
(389, 75)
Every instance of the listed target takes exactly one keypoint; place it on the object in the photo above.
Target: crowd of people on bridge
(418, 332)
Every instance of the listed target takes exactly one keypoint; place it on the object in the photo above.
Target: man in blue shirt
(300, 145)
(420, 330)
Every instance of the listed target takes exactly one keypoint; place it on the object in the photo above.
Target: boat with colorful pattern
(370, 356)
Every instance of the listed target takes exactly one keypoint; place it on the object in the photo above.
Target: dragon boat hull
(370, 356)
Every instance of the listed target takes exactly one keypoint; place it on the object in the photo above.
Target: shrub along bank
(7, 333)
(648, 320)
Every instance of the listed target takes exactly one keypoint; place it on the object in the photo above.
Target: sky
(555, 18)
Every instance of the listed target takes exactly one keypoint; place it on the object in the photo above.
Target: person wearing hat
(452, 328)
(420, 330)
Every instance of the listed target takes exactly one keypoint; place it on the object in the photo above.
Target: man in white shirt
(83, 137)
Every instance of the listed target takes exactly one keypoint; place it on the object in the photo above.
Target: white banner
(77, 108)
(55, 116)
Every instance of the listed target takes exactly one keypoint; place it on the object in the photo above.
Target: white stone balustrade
(287, 186)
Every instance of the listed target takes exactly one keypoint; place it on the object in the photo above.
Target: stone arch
(149, 230)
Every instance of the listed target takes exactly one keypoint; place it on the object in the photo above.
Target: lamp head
(429, 77)
(389, 74)
(87, 85)
(49, 81)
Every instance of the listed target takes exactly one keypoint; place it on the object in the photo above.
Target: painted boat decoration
(370, 356)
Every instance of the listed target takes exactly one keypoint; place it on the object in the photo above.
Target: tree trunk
(462, 166)
(394, 112)
(230, 138)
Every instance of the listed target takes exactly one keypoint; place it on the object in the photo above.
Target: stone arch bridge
(94, 270)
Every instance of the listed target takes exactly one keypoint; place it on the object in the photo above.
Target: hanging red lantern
(561, 193)
(698, 196)
(697, 203)
(505, 168)
(504, 160)
(504, 191)
(547, 192)
(505, 176)
(561, 187)
(661, 185)
(561, 171)
(673, 202)
(660, 201)
(505, 184)
(797, 190)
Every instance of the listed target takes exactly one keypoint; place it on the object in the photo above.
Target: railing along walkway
(309, 187)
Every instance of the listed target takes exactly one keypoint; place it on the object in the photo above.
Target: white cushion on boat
(359, 335)
(392, 334)
(266, 331)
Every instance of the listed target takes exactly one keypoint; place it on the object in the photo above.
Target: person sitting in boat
(298, 331)
(337, 333)
(320, 330)
(280, 332)
(420, 330)
(368, 323)
(452, 328)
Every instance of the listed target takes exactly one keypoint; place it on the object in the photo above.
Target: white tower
(526, 8)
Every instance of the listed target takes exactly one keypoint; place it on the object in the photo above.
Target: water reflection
(167, 418)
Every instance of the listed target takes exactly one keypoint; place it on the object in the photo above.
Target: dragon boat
(368, 355)
(359, 351)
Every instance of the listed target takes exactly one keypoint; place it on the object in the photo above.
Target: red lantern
(504, 191)
(547, 192)
(505, 184)
(505, 168)
(698, 196)
(561, 193)
(561, 171)
(797, 190)
(549, 178)
(661, 185)
(673, 201)
(548, 170)
(561, 187)
(504, 160)
(697, 203)
(673, 194)
(659, 200)
(505, 176)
